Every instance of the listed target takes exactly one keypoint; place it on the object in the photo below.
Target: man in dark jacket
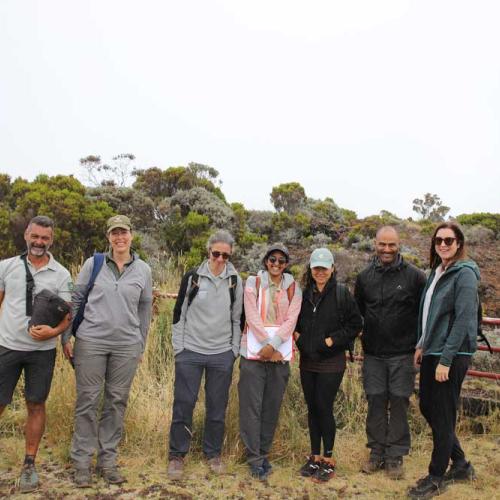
(388, 295)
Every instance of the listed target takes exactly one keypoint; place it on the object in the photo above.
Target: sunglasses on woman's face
(438, 241)
(280, 260)
(224, 255)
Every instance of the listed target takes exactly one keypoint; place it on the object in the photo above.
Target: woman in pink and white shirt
(272, 302)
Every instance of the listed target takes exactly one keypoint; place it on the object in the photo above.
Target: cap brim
(321, 263)
(116, 226)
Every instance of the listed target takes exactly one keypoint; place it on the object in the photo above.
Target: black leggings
(320, 390)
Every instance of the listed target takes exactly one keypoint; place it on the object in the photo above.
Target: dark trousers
(261, 388)
(189, 369)
(438, 404)
(320, 391)
(388, 383)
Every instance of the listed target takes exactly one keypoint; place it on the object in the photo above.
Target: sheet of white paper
(254, 346)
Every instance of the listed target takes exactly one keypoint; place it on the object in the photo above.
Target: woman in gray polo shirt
(108, 347)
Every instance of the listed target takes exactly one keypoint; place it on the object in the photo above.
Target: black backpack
(481, 337)
(193, 291)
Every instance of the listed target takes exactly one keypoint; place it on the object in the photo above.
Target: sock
(29, 460)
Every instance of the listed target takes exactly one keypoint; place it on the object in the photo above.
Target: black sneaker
(427, 487)
(325, 471)
(457, 473)
(309, 468)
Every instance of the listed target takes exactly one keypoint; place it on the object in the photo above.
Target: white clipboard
(254, 346)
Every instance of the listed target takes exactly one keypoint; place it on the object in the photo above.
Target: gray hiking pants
(261, 388)
(388, 383)
(97, 368)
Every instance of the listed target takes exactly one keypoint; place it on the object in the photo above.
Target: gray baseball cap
(321, 257)
(277, 247)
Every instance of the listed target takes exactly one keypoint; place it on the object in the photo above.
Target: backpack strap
(30, 285)
(290, 291)
(195, 286)
(233, 281)
(480, 334)
(96, 268)
(97, 263)
(341, 296)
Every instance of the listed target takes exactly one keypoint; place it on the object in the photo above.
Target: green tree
(288, 197)
(7, 247)
(157, 183)
(128, 201)
(430, 207)
(80, 223)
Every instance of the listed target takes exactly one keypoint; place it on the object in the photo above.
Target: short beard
(38, 251)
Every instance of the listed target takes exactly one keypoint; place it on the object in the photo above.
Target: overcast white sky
(372, 103)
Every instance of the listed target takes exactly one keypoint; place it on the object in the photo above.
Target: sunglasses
(224, 255)
(438, 241)
(280, 260)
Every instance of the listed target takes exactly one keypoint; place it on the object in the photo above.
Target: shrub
(261, 221)
(485, 219)
(475, 235)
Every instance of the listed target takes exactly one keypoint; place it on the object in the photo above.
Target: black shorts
(38, 369)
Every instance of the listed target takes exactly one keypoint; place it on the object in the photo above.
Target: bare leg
(35, 425)
(2, 408)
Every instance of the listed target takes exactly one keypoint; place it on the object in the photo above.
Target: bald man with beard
(388, 294)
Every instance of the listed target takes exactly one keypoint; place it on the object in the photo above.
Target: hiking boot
(394, 467)
(373, 464)
(427, 487)
(266, 465)
(457, 473)
(111, 475)
(82, 478)
(216, 465)
(29, 479)
(309, 468)
(325, 471)
(175, 469)
(258, 472)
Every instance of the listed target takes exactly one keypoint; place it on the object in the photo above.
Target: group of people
(405, 322)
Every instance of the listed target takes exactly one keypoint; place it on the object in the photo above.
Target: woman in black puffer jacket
(329, 320)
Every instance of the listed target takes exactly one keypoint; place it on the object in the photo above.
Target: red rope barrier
(491, 321)
(490, 375)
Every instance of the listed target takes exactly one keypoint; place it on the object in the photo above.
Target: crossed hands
(268, 353)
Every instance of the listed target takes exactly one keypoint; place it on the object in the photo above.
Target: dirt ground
(149, 480)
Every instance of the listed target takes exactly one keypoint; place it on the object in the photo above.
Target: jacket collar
(395, 266)
(203, 270)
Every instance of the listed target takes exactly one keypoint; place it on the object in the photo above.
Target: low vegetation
(173, 212)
